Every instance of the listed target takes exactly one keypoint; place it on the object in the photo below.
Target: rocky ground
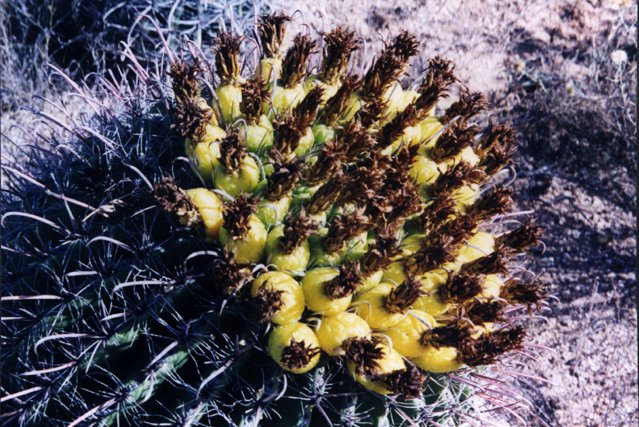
(564, 73)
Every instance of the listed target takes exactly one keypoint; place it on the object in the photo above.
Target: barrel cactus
(283, 241)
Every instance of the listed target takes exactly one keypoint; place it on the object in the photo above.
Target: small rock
(619, 57)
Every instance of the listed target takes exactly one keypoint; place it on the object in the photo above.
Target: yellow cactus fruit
(294, 262)
(388, 362)
(316, 294)
(279, 297)
(438, 360)
(273, 212)
(337, 328)
(242, 180)
(294, 347)
(250, 246)
(370, 282)
(372, 306)
(492, 286)
(479, 245)
(406, 334)
(210, 207)
(229, 98)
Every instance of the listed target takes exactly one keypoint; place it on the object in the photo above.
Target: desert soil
(553, 69)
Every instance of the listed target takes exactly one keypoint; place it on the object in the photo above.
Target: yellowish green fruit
(294, 263)
(430, 131)
(250, 247)
(314, 287)
(322, 134)
(292, 296)
(306, 142)
(411, 135)
(283, 337)
(286, 98)
(354, 104)
(259, 137)
(468, 155)
(438, 360)
(242, 180)
(465, 196)
(352, 250)
(411, 244)
(273, 213)
(394, 273)
(205, 153)
(424, 170)
(397, 100)
(269, 69)
(432, 279)
(370, 307)
(406, 334)
(431, 304)
(370, 282)
(390, 361)
(479, 245)
(336, 329)
(201, 102)
(328, 90)
(210, 207)
(492, 286)
(229, 98)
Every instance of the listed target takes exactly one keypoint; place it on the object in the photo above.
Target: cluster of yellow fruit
(344, 202)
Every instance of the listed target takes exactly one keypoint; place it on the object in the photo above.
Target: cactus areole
(303, 248)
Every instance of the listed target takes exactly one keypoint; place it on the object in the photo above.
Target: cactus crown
(307, 200)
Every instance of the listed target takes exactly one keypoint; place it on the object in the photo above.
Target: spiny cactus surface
(286, 242)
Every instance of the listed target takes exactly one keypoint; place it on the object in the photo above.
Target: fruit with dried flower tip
(406, 334)
(294, 262)
(279, 297)
(438, 360)
(229, 98)
(352, 250)
(210, 207)
(306, 142)
(242, 180)
(273, 212)
(371, 306)
(286, 98)
(294, 347)
(388, 361)
(369, 282)
(205, 152)
(491, 287)
(314, 284)
(259, 136)
(397, 99)
(335, 329)
(479, 245)
(439, 352)
(249, 247)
